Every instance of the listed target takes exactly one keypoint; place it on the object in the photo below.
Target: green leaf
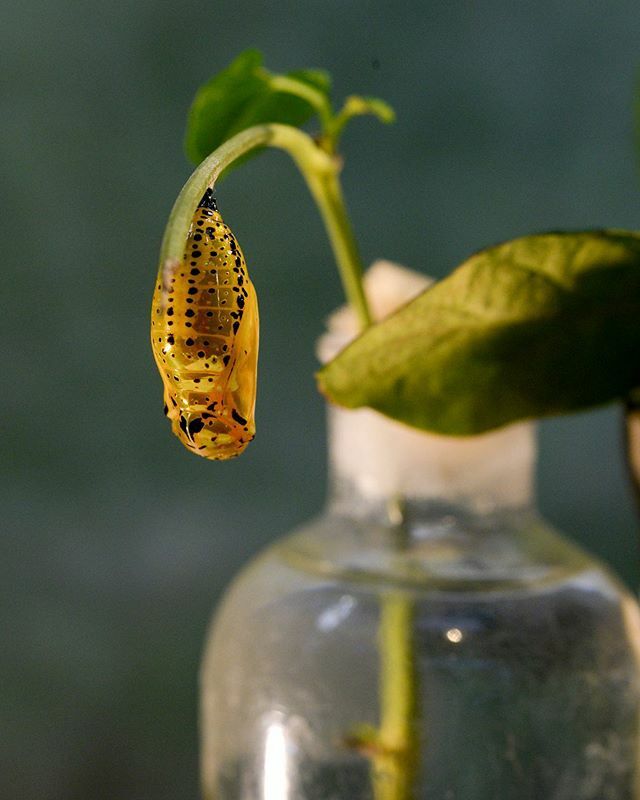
(357, 106)
(240, 96)
(541, 325)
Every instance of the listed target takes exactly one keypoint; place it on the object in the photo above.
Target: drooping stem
(321, 172)
(318, 100)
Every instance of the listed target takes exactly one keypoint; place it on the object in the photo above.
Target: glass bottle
(428, 637)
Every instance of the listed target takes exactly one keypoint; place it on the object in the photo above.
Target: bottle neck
(375, 462)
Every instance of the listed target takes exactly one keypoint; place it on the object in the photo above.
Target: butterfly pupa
(204, 336)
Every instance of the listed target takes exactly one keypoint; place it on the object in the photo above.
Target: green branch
(316, 99)
(321, 173)
(394, 761)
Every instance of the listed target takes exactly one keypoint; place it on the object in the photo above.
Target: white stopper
(381, 458)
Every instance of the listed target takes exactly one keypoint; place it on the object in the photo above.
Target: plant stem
(321, 172)
(394, 761)
(317, 100)
(395, 756)
(356, 106)
(327, 193)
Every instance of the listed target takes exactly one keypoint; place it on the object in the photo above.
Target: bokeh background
(116, 543)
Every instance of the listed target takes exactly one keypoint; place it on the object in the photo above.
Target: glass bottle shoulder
(443, 552)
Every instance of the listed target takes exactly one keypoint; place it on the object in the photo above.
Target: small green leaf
(240, 96)
(541, 325)
(356, 105)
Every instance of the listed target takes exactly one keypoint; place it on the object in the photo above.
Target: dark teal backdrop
(512, 118)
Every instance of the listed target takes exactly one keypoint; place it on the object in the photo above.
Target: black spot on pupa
(237, 417)
(235, 327)
(195, 426)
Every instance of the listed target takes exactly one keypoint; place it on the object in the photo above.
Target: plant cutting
(429, 636)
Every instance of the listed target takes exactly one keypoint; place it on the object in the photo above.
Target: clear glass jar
(428, 637)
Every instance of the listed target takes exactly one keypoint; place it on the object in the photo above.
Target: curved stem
(320, 171)
(356, 106)
(316, 99)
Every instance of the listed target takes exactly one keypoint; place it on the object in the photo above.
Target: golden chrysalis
(204, 335)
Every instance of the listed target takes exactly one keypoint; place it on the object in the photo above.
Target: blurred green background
(116, 543)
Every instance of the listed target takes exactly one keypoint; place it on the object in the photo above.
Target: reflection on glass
(454, 635)
(275, 779)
